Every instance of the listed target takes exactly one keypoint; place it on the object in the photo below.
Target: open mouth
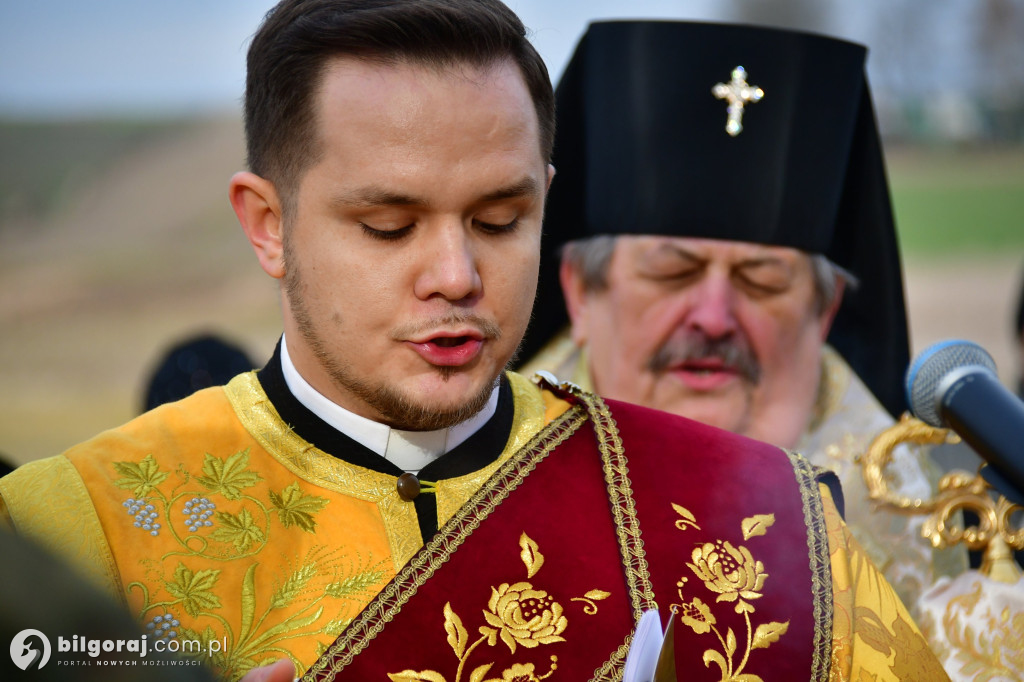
(705, 367)
(706, 371)
(705, 375)
(450, 341)
(449, 350)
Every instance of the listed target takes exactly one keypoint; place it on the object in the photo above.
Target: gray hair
(591, 258)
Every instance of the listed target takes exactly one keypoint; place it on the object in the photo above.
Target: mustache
(733, 352)
(488, 328)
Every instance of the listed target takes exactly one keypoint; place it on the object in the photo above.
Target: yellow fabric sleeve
(873, 635)
(47, 502)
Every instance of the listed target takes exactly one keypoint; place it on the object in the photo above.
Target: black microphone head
(926, 375)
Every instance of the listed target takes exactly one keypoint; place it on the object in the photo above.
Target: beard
(395, 408)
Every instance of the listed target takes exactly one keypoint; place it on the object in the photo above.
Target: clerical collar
(408, 450)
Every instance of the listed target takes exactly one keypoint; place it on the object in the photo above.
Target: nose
(450, 270)
(713, 310)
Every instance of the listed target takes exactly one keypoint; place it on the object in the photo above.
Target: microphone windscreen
(926, 373)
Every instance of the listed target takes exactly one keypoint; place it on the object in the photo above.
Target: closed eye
(494, 228)
(764, 283)
(391, 234)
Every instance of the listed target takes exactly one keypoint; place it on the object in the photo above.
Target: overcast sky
(81, 57)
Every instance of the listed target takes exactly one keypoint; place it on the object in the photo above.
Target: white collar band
(408, 450)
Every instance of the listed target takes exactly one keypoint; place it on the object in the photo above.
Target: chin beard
(396, 409)
(399, 412)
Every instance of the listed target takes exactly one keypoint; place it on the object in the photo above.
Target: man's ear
(828, 316)
(575, 294)
(258, 208)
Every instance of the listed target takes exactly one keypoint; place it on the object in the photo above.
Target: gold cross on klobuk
(738, 93)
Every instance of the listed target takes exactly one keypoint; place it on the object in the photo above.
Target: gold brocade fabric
(51, 502)
(216, 523)
(976, 627)
(846, 419)
(873, 636)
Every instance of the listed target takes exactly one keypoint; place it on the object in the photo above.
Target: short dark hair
(288, 54)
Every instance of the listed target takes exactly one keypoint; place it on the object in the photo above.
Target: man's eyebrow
(680, 251)
(526, 187)
(759, 261)
(371, 197)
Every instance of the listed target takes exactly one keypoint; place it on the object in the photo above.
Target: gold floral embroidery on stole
(519, 615)
(731, 572)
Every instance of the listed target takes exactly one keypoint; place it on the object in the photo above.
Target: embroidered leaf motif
(531, 555)
(413, 676)
(248, 600)
(589, 598)
(336, 626)
(688, 520)
(767, 634)
(142, 477)
(295, 622)
(710, 655)
(757, 525)
(228, 477)
(229, 664)
(479, 672)
(293, 586)
(490, 633)
(457, 635)
(296, 508)
(730, 643)
(355, 584)
(239, 530)
(194, 589)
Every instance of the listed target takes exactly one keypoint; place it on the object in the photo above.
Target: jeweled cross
(738, 93)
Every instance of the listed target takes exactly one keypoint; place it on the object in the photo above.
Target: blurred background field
(117, 239)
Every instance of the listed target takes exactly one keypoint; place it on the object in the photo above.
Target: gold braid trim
(386, 605)
(820, 564)
(631, 546)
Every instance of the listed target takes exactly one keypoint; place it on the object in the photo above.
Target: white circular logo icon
(30, 649)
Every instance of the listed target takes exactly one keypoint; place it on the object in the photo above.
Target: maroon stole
(544, 573)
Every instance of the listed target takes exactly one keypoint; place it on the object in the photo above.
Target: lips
(706, 374)
(449, 348)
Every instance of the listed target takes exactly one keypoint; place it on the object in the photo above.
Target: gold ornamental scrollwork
(959, 490)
